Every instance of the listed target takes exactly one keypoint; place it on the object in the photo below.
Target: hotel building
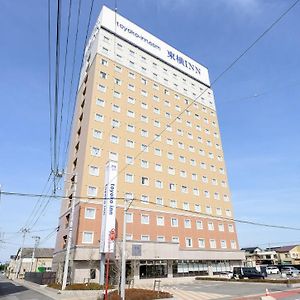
(150, 109)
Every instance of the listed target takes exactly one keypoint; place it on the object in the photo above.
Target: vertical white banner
(108, 226)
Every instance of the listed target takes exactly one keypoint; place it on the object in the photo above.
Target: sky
(257, 104)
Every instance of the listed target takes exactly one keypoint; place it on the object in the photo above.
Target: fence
(40, 278)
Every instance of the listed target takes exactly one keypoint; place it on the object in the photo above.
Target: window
(180, 145)
(201, 243)
(182, 173)
(145, 238)
(158, 184)
(144, 93)
(145, 219)
(116, 108)
(194, 176)
(104, 62)
(174, 222)
(130, 128)
(206, 194)
(118, 69)
(129, 177)
(94, 171)
(117, 94)
(197, 208)
(130, 144)
(144, 164)
(100, 102)
(223, 244)
(169, 141)
(129, 160)
(182, 159)
(145, 180)
(144, 119)
(160, 221)
(156, 98)
(210, 155)
(156, 110)
(184, 189)
(210, 226)
(131, 75)
(157, 151)
(230, 228)
(143, 81)
(156, 123)
(233, 244)
(187, 223)
(188, 242)
(90, 213)
(173, 203)
(196, 192)
(131, 100)
(99, 118)
(87, 237)
(129, 217)
(144, 199)
(115, 123)
(159, 201)
(219, 211)
(228, 212)
(114, 139)
(208, 209)
(212, 244)
(171, 171)
(144, 105)
(144, 133)
(199, 224)
(186, 206)
(102, 88)
(204, 179)
(130, 114)
(175, 239)
(92, 191)
(160, 238)
(158, 167)
(97, 134)
(95, 151)
(170, 155)
(221, 227)
(216, 196)
(103, 75)
(144, 148)
(131, 87)
(129, 237)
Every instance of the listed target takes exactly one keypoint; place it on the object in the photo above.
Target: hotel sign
(141, 38)
(108, 225)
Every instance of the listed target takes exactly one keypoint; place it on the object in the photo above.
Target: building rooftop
(39, 252)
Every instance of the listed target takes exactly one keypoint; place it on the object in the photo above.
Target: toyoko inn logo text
(181, 61)
(137, 35)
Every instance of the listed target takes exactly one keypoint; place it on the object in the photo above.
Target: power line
(64, 77)
(49, 83)
(215, 80)
(161, 205)
(68, 134)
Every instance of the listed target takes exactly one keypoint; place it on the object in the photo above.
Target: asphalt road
(10, 290)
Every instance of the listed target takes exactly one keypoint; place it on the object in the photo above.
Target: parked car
(247, 272)
(272, 270)
(290, 271)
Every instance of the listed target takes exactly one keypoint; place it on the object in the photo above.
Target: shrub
(138, 294)
(79, 286)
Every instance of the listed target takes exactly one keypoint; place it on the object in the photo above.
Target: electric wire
(234, 62)
(68, 131)
(64, 76)
(249, 222)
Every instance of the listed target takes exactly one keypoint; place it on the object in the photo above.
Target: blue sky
(260, 133)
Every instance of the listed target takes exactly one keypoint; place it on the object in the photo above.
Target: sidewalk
(59, 295)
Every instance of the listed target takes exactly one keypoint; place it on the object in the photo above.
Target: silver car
(290, 271)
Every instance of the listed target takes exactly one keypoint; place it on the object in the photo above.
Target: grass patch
(138, 294)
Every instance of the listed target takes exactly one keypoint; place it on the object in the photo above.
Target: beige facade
(145, 114)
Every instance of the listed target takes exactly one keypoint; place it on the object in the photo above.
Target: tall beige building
(150, 108)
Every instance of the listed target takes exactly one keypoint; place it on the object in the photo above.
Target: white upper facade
(134, 34)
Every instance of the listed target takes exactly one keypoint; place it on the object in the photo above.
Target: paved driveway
(10, 290)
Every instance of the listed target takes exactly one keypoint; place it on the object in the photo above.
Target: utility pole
(123, 266)
(70, 233)
(24, 231)
(36, 243)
